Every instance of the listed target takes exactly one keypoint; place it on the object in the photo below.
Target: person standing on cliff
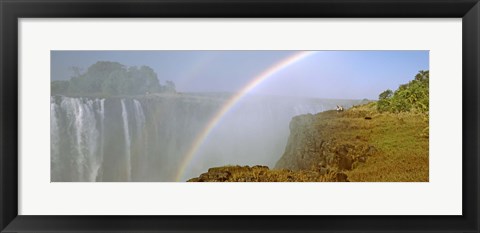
(339, 108)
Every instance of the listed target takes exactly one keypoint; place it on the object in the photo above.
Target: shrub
(411, 96)
(110, 79)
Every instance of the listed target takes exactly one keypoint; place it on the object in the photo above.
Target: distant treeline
(412, 96)
(111, 79)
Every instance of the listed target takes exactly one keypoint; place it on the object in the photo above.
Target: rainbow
(197, 143)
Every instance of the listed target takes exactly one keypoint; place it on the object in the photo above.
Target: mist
(146, 138)
(118, 122)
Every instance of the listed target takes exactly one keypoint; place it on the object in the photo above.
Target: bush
(59, 87)
(411, 96)
(110, 79)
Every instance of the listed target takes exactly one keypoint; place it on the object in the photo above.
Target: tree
(59, 87)
(384, 100)
(91, 82)
(386, 94)
(169, 87)
(117, 83)
(77, 71)
(112, 78)
(422, 76)
(411, 96)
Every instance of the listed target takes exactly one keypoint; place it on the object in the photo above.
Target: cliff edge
(360, 142)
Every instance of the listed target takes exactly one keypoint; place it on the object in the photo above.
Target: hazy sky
(326, 74)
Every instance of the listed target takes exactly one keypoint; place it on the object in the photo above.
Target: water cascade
(145, 138)
(127, 141)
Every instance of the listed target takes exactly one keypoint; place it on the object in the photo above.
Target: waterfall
(74, 139)
(101, 112)
(78, 137)
(145, 138)
(141, 143)
(139, 116)
(127, 141)
(86, 136)
(54, 137)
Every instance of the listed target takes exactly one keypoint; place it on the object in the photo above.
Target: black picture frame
(11, 11)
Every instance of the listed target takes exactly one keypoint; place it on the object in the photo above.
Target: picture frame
(12, 11)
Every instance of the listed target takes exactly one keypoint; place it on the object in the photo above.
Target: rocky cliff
(264, 174)
(362, 143)
(148, 137)
(321, 142)
(359, 144)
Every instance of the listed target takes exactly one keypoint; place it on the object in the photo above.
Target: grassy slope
(401, 142)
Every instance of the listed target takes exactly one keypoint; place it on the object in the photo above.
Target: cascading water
(78, 152)
(144, 138)
(139, 114)
(140, 142)
(101, 113)
(54, 138)
(127, 141)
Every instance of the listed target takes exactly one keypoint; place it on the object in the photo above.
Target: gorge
(145, 138)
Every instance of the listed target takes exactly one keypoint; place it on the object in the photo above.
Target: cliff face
(113, 139)
(321, 148)
(325, 141)
(264, 174)
(359, 145)
(362, 143)
(146, 137)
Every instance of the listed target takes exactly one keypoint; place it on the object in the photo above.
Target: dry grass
(402, 143)
(264, 174)
(401, 150)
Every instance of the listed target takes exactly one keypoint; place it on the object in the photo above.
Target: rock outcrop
(264, 174)
(359, 144)
(322, 142)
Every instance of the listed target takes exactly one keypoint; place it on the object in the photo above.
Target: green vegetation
(111, 79)
(382, 147)
(59, 86)
(408, 97)
(383, 141)
(400, 130)
(401, 141)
